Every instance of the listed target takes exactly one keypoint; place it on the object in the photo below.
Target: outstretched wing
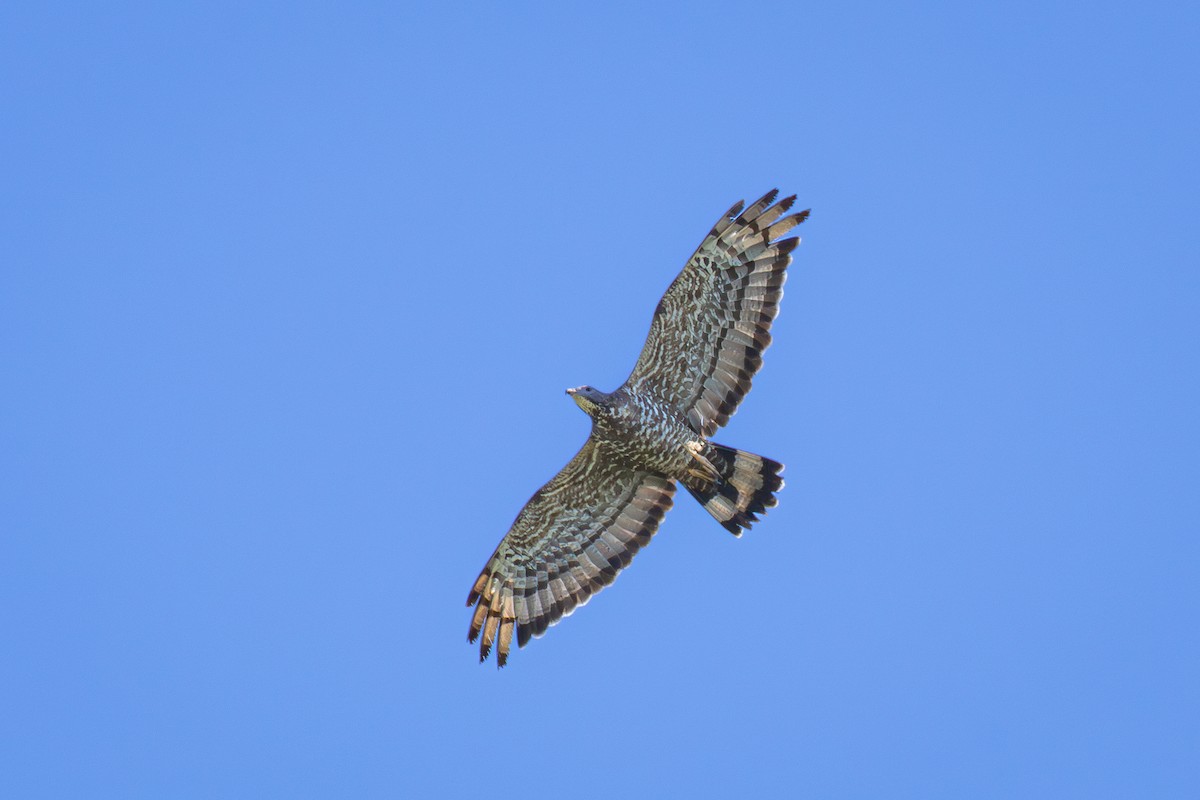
(713, 324)
(569, 542)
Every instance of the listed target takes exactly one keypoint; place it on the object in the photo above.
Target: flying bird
(705, 345)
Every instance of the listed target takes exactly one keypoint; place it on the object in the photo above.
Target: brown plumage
(705, 346)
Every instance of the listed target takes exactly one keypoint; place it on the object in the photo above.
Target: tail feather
(746, 486)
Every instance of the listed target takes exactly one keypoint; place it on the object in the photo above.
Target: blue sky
(290, 296)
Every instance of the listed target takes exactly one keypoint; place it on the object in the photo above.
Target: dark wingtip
(733, 527)
(802, 215)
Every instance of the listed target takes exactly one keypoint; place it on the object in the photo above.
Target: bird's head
(592, 401)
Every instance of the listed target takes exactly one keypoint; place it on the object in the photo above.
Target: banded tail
(746, 486)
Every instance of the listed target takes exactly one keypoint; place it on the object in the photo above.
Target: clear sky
(290, 295)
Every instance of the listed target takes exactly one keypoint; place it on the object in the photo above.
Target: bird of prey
(705, 345)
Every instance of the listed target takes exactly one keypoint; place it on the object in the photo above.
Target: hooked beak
(581, 399)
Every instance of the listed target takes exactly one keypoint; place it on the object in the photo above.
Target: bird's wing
(713, 324)
(569, 542)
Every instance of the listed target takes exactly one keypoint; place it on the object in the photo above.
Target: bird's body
(641, 431)
(705, 345)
